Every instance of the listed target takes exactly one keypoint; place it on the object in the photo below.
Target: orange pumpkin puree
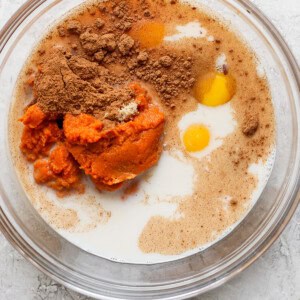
(38, 134)
(123, 152)
(60, 171)
(82, 129)
(110, 156)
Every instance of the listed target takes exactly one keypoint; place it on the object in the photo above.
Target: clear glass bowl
(101, 278)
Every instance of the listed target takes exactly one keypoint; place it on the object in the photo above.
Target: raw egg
(203, 130)
(150, 34)
(215, 89)
(196, 138)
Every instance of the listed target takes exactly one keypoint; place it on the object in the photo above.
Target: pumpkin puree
(110, 156)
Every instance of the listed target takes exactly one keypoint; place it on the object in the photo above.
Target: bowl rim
(20, 244)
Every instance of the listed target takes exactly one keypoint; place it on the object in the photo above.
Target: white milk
(189, 30)
(118, 238)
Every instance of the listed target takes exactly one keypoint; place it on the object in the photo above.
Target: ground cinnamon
(80, 78)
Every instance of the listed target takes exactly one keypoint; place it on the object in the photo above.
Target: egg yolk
(149, 34)
(215, 89)
(196, 138)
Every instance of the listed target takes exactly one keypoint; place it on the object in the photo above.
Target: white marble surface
(275, 275)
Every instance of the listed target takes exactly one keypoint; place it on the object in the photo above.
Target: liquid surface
(190, 199)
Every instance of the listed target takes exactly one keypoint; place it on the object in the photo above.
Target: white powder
(128, 111)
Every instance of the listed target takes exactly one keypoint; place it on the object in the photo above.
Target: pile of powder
(77, 85)
(90, 70)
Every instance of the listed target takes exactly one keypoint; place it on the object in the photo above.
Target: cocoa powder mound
(125, 44)
(169, 74)
(74, 26)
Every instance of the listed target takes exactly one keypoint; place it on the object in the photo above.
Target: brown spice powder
(78, 76)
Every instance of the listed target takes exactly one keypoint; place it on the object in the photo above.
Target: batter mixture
(141, 130)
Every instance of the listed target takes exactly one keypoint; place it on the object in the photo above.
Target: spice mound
(109, 152)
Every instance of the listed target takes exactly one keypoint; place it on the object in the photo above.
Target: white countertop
(275, 275)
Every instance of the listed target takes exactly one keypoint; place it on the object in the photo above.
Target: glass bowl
(100, 278)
